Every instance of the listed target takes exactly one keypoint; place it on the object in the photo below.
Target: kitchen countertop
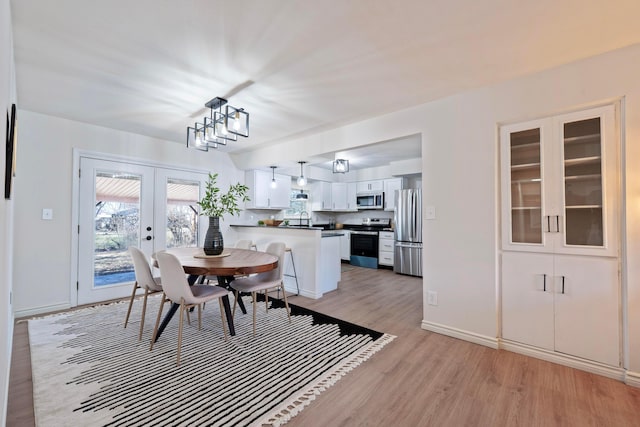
(286, 227)
(332, 234)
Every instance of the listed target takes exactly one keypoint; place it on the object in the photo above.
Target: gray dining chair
(177, 290)
(263, 282)
(144, 280)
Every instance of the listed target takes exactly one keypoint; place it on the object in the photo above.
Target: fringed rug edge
(294, 405)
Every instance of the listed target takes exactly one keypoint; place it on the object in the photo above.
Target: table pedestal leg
(225, 282)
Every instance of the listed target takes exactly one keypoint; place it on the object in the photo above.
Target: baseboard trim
(566, 360)
(34, 311)
(632, 378)
(460, 334)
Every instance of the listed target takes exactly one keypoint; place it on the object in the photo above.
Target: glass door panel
(182, 213)
(526, 186)
(115, 212)
(117, 219)
(582, 143)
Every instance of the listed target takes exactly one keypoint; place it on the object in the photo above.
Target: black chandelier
(222, 125)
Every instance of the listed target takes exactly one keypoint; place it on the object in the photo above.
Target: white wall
(7, 97)
(42, 252)
(460, 178)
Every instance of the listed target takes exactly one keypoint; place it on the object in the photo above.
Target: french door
(125, 204)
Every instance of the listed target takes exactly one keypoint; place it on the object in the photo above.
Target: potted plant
(214, 204)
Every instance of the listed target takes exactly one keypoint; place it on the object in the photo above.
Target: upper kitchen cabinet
(370, 186)
(559, 178)
(390, 187)
(262, 195)
(333, 196)
(339, 196)
(321, 193)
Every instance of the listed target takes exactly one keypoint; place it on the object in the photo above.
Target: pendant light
(274, 184)
(301, 179)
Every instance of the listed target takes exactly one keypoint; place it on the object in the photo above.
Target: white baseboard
(566, 360)
(620, 374)
(460, 334)
(632, 379)
(34, 311)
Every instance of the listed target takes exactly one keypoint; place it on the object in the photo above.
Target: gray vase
(213, 242)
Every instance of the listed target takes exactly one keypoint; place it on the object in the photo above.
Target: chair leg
(144, 312)
(224, 323)
(235, 303)
(266, 300)
(199, 317)
(133, 295)
(286, 304)
(253, 295)
(180, 331)
(155, 330)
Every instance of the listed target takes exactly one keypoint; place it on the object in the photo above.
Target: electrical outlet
(432, 298)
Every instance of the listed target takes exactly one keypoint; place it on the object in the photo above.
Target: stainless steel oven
(364, 248)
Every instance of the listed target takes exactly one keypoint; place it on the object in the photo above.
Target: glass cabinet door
(582, 164)
(526, 186)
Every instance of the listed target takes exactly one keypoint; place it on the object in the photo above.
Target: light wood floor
(421, 378)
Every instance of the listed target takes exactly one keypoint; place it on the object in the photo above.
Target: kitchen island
(316, 254)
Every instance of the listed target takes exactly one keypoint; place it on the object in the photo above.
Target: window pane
(182, 213)
(117, 208)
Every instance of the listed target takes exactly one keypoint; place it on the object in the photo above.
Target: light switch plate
(430, 212)
(47, 214)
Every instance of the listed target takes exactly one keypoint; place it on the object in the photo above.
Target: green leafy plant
(214, 203)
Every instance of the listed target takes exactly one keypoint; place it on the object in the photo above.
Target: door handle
(548, 223)
(148, 228)
(544, 283)
(149, 237)
(563, 284)
(558, 226)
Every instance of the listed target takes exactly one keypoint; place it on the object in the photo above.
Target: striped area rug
(88, 370)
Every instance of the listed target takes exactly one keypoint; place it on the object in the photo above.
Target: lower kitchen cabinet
(385, 248)
(345, 245)
(563, 303)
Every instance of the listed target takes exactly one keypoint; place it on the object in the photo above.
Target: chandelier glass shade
(222, 125)
(340, 166)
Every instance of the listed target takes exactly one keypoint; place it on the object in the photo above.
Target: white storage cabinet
(560, 265)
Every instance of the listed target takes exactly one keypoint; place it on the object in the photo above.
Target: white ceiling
(298, 67)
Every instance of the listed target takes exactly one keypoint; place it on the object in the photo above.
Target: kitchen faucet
(300, 220)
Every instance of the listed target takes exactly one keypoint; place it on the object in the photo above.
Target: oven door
(364, 248)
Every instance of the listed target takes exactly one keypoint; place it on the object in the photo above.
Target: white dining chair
(263, 282)
(177, 290)
(144, 280)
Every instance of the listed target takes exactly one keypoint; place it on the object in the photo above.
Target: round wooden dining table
(230, 263)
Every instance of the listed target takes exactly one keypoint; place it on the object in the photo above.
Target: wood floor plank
(421, 378)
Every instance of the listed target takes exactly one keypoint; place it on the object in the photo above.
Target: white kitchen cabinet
(390, 187)
(370, 186)
(560, 282)
(386, 248)
(333, 196)
(321, 196)
(345, 245)
(262, 195)
(339, 196)
(563, 303)
(352, 201)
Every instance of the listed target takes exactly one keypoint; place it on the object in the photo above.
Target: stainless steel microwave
(370, 201)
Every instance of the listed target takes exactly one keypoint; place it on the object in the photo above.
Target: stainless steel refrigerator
(408, 232)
